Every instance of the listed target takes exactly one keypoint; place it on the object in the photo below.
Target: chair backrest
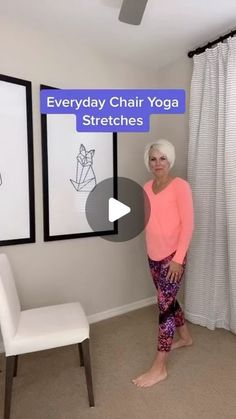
(9, 301)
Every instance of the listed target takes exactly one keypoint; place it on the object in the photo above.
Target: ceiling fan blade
(132, 11)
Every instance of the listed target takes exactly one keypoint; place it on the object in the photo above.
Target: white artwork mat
(14, 167)
(76, 163)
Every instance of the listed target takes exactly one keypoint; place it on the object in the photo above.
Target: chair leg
(15, 366)
(81, 355)
(10, 363)
(88, 372)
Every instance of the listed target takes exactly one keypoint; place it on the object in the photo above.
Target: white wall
(101, 274)
(175, 127)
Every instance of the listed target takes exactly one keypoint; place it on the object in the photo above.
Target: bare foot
(180, 343)
(153, 376)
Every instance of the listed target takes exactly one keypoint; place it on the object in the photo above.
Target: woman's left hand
(175, 271)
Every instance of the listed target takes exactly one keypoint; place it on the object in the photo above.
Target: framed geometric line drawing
(17, 212)
(74, 163)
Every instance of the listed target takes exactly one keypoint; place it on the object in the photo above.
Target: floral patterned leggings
(170, 313)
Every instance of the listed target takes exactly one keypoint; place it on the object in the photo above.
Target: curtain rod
(210, 44)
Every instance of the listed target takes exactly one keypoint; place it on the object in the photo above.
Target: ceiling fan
(132, 11)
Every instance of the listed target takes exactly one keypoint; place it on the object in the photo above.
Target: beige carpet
(201, 382)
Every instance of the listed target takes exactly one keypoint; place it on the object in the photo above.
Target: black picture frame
(17, 212)
(55, 130)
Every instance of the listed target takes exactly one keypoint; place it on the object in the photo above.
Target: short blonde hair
(165, 147)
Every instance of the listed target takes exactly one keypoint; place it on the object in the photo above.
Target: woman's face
(158, 163)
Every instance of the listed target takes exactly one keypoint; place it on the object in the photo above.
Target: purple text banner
(108, 110)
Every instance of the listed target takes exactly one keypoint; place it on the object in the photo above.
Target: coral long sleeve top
(170, 225)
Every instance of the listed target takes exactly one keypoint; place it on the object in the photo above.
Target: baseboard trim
(117, 311)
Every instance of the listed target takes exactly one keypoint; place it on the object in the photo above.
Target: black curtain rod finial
(200, 50)
(195, 52)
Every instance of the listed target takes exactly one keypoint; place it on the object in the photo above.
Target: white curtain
(210, 285)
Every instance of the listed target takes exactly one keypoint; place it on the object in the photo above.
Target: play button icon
(117, 210)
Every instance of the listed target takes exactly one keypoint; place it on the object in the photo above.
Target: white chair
(26, 331)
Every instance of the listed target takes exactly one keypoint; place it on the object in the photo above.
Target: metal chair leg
(81, 357)
(88, 372)
(10, 363)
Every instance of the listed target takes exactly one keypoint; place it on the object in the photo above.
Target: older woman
(168, 235)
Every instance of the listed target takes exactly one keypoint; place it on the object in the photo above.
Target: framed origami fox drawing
(74, 164)
(85, 176)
